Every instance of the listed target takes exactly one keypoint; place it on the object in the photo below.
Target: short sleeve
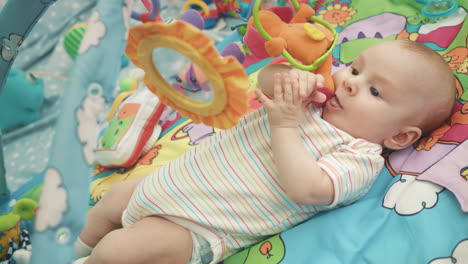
(353, 169)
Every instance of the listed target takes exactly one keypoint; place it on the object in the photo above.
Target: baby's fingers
(307, 81)
(262, 98)
(296, 98)
(278, 88)
(319, 82)
(287, 89)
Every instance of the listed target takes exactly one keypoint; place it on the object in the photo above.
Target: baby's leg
(151, 240)
(106, 215)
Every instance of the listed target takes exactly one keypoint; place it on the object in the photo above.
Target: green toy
(24, 209)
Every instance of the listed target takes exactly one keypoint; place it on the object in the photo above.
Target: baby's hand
(286, 109)
(308, 85)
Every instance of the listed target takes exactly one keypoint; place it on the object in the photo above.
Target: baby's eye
(374, 92)
(178, 79)
(354, 71)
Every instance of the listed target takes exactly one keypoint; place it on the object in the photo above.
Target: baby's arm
(301, 176)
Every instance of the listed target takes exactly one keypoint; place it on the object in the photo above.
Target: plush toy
(20, 100)
(304, 41)
(131, 127)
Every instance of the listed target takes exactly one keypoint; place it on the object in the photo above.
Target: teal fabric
(66, 177)
(21, 100)
(369, 232)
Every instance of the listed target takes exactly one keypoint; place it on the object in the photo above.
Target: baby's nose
(350, 87)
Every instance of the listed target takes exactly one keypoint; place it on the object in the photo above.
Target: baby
(281, 165)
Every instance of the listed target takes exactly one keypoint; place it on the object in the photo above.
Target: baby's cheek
(362, 112)
(367, 117)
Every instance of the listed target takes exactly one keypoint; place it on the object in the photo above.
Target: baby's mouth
(334, 104)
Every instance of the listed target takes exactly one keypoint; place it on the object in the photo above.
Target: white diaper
(201, 252)
(208, 245)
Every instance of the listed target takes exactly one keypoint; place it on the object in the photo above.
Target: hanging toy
(306, 46)
(152, 44)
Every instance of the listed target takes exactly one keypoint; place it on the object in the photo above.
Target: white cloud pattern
(53, 202)
(89, 123)
(410, 196)
(94, 32)
(459, 255)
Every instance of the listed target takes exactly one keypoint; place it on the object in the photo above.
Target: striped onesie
(227, 188)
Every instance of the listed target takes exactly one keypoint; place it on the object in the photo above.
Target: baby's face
(375, 96)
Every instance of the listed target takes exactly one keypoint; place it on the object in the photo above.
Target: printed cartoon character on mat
(118, 126)
(270, 251)
(336, 12)
(197, 133)
(421, 29)
(458, 58)
(359, 34)
(148, 157)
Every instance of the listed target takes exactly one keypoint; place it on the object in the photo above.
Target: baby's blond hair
(441, 92)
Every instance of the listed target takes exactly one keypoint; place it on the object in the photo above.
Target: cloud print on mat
(94, 32)
(459, 255)
(409, 196)
(89, 124)
(53, 203)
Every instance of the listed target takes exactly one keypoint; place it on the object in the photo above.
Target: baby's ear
(407, 136)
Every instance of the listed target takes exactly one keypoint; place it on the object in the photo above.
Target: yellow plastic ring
(199, 3)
